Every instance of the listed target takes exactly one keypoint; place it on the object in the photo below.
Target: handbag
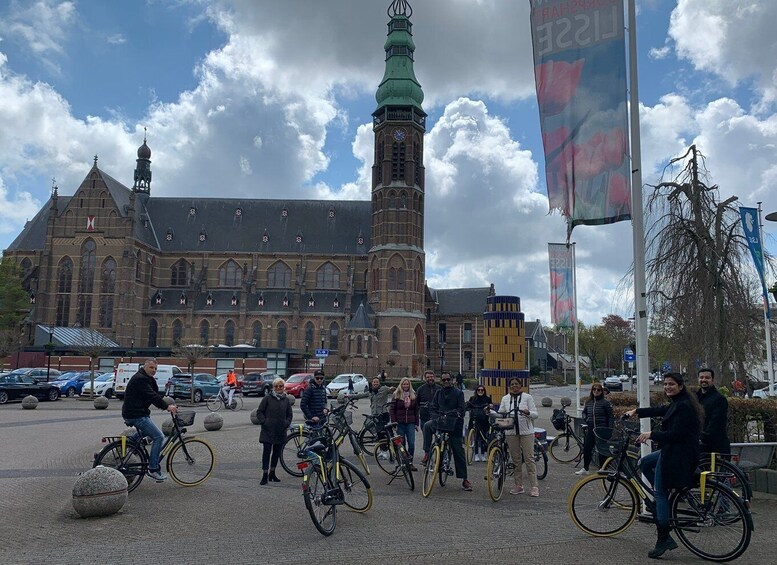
(500, 422)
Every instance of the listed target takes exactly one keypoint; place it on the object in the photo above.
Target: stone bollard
(29, 402)
(167, 427)
(254, 419)
(101, 403)
(566, 401)
(292, 400)
(547, 402)
(101, 491)
(213, 422)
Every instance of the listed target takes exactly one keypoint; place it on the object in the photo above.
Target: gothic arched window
(204, 332)
(395, 339)
(230, 274)
(328, 276)
(153, 327)
(279, 275)
(257, 333)
(282, 328)
(64, 288)
(107, 288)
(334, 336)
(179, 273)
(309, 331)
(177, 332)
(86, 284)
(229, 333)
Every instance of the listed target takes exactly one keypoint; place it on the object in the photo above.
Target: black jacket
(475, 406)
(598, 413)
(714, 437)
(141, 392)
(313, 401)
(448, 399)
(425, 395)
(274, 415)
(678, 439)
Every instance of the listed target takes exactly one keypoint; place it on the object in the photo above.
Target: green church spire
(399, 87)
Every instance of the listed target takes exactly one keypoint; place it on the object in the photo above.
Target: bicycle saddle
(318, 448)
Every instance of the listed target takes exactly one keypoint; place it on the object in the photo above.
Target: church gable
(97, 204)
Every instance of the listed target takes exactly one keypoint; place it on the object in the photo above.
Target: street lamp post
(49, 347)
(307, 347)
(442, 357)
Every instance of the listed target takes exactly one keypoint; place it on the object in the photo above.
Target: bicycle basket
(609, 441)
(559, 420)
(501, 423)
(185, 418)
(446, 423)
(343, 418)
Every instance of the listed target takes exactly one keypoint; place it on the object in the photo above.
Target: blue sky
(273, 99)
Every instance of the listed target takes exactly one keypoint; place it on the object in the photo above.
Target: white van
(125, 371)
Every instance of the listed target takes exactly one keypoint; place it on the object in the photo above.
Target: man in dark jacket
(445, 400)
(714, 437)
(425, 395)
(140, 394)
(313, 401)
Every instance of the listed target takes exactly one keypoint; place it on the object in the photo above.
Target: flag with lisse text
(562, 285)
(580, 75)
(753, 236)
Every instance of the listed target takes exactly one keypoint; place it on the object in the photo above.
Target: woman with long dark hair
(597, 413)
(673, 466)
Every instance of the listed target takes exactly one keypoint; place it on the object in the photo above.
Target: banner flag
(753, 237)
(580, 75)
(562, 290)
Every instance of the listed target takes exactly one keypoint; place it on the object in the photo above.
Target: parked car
(340, 383)
(205, 386)
(103, 386)
(258, 383)
(765, 393)
(13, 387)
(624, 378)
(37, 373)
(298, 382)
(613, 382)
(72, 382)
(658, 378)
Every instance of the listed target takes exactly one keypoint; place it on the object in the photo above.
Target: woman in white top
(520, 406)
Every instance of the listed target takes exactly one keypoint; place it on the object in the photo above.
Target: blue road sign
(322, 353)
(629, 355)
(666, 367)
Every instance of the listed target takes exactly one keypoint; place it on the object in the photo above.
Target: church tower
(142, 174)
(396, 257)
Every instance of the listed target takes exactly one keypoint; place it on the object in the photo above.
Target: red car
(298, 382)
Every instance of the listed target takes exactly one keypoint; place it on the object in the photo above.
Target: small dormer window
(336, 303)
(261, 300)
(298, 239)
(182, 300)
(193, 211)
(285, 213)
(265, 237)
(209, 300)
(360, 240)
(331, 213)
(169, 234)
(311, 302)
(285, 302)
(158, 298)
(234, 300)
(238, 212)
(203, 236)
(32, 298)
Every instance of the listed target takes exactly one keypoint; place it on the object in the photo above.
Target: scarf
(406, 398)
(278, 395)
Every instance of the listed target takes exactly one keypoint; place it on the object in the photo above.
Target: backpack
(558, 419)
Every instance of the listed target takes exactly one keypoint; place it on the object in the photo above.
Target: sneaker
(157, 475)
(382, 455)
(466, 485)
(535, 491)
(581, 472)
(517, 490)
(425, 459)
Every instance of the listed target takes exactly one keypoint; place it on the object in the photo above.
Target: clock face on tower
(399, 134)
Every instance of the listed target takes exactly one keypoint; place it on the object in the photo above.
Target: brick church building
(283, 277)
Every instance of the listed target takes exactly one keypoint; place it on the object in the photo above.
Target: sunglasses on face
(596, 389)
(319, 378)
(480, 390)
(445, 380)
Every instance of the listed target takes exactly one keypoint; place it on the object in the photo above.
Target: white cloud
(16, 208)
(116, 39)
(42, 26)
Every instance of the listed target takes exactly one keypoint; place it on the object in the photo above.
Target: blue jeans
(148, 428)
(407, 431)
(651, 468)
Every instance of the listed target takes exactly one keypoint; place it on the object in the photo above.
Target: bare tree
(94, 345)
(192, 353)
(701, 289)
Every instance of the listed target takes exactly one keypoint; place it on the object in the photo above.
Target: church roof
(360, 320)
(460, 301)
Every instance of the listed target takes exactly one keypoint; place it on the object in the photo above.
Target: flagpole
(638, 229)
(577, 351)
(767, 328)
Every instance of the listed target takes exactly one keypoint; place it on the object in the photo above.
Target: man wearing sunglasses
(313, 401)
(446, 399)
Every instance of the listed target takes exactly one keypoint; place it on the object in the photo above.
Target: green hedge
(748, 418)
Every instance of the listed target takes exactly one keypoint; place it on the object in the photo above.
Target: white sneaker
(158, 476)
(581, 472)
(382, 455)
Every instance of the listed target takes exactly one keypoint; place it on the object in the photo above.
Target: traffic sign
(322, 353)
(628, 355)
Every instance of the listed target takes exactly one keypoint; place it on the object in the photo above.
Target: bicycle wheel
(237, 404)
(431, 470)
(324, 516)
(132, 461)
(717, 528)
(540, 460)
(495, 473)
(603, 506)
(356, 487)
(406, 466)
(564, 448)
(445, 464)
(191, 462)
(214, 403)
(730, 475)
(469, 445)
(384, 457)
(290, 451)
(367, 439)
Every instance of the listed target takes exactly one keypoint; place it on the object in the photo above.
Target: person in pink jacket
(405, 412)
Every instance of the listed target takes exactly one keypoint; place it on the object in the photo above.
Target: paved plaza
(231, 519)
